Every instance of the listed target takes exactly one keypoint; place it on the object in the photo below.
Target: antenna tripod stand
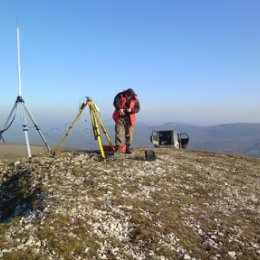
(23, 108)
(19, 101)
(95, 120)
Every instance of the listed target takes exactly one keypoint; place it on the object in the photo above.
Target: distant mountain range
(240, 138)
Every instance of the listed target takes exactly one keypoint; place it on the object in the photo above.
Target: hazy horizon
(58, 129)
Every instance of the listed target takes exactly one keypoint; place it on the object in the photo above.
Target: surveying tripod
(95, 119)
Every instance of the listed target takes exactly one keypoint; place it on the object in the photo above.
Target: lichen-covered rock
(185, 205)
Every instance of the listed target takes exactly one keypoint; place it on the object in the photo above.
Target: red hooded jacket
(132, 105)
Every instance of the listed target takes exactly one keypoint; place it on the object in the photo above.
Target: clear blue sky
(190, 61)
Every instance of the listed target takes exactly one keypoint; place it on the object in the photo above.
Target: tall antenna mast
(19, 63)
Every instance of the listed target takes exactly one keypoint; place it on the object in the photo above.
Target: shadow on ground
(19, 196)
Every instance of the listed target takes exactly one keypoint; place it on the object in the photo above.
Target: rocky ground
(185, 205)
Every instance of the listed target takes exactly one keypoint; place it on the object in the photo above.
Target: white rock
(38, 244)
(17, 163)
(187, 257)
(232, 254)
(30, 241)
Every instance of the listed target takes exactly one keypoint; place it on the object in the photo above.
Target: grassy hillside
(185, 205)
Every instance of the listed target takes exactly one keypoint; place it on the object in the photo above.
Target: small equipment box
(150, 155)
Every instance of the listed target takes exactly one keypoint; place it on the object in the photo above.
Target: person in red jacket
(126, 106)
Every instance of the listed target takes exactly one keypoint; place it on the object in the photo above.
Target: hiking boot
(118, 150)
(128, 149)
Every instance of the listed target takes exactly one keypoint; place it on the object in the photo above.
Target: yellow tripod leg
(58, 147)
(96, 131)
(103, 127)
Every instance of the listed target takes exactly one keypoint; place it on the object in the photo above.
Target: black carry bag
(150, 155)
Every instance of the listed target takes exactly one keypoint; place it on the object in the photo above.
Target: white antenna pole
(20, 99)
(19, 65)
